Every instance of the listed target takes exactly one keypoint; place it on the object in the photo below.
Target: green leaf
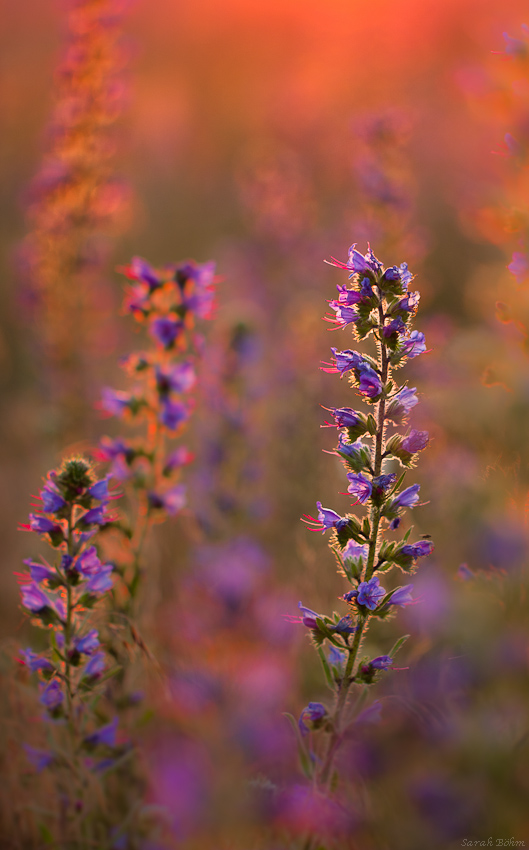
(306, 764)
(407, 535)
(326, 668)
(397, 645)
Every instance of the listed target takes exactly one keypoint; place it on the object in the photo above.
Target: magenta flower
(327, 518)
(309, 616)
(383, 662)
(344, 315)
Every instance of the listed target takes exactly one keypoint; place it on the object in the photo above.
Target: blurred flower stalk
(75, 202)
(378, 304)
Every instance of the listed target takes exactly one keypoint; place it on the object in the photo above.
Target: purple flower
(52, 501)
(352, 450)
(353, 550)
(519, 266)
(399, 273)
(344, 626)
(369, 593)
(173, 414)
(413, 345)
(383, 662)
(105, 735)
(345, 360)
(99, 490)
(95, 516)
(40, 759)
(309, 616)
(361, 264)
(88, 644)
(396, 326)
(180, 457)
(336, 656)
(514, 46)
(327, 519)
(464, 573)
(51, 695)
(369, 382)
(382, 483)
(95, 666)
(314, 712)
(165, 330)
(344, 315)
(348, 297)
(88, 563)
(43, 525)
(178, 378)
(172, 501)
(34, 599)
(39, 572)
(401, 597)
(140, 269)
(102, 582)
(400, 406)
(35, 662)
(359, 486)
(115, 402)
(416, 441)
(418, 550)
(409, 303)
(408, 498)
(345, 417)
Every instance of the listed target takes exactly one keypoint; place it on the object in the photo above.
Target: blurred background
(269, 136)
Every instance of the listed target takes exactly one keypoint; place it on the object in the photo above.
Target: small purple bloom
(414, 344)
(396, 326)
(173, 414)
(465, 573)
(400, 406)
(35, 662)
(394, 524)
(350, 595)
(166, 330)
(359, 486)
(383, 662)
(88, 644)
(514, 46)
(348, 297)
(172, 501)
(43, 525)
(313, 712)
(344, 626)
(105, 735)
(99, 490)
(369, 593)
(178, 378)
(51, 695)
(344, 315)
(40, 759)
(519, 266)
(39, 572)
(102, 582)
(95, 516)
(410, 302)
(336, 656)
(327, 518)
(408, 498)
(349, 449)
(52, 501)
(369, 382)
(345, 360)
(34, 599)
(354, 550)
(382, 483)
(345, 417)
(360, 264)
(140, 269)
(180, 457)
(401, 597)
(95, 666)
(309, 616)
(418, 550)
(416, 441)
(115, 402)
(88, 563)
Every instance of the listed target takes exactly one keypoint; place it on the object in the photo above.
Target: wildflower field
(264, 368)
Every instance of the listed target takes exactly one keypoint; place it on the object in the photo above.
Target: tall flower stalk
(60, 595)
(378, 304)
(169, 301)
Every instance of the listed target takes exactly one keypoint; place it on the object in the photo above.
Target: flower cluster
(58, 595)
(168, 301)
(379, 303)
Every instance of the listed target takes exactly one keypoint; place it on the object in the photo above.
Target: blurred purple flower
(95, 667)
(105, 735)
(416, 441)
(52, 501)
(115, 402)
(173, 413)
(172, 501)
(87, 644)
(51, 695)
(401, 597)
(400, 406)
(166, 330)
(39, 572)
(413, 345)
(313, 712)
(35, 662)
(519, 266)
